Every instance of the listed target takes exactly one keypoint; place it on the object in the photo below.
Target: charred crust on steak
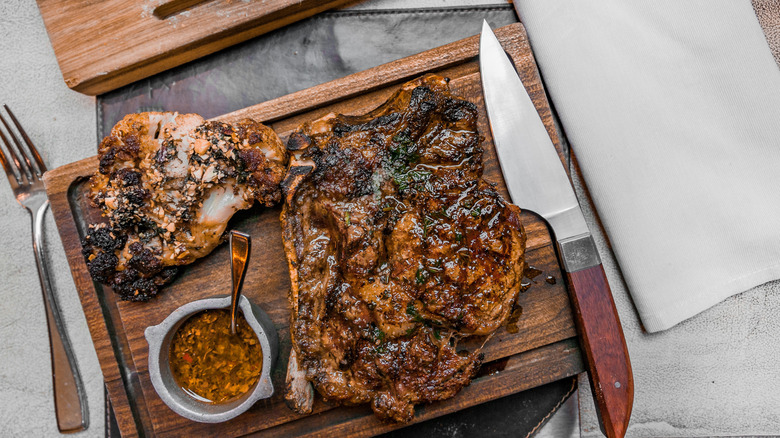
(167, 184)
(397, 249)
(294, 176)
(298, 141)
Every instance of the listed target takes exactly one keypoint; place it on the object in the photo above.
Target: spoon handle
(239, 257)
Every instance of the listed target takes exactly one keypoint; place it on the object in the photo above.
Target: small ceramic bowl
(159, 338)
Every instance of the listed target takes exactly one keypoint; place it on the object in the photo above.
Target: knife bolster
(578, 253)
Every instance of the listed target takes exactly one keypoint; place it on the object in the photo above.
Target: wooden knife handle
(601, 337)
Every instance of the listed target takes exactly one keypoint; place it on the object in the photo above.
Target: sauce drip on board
(211, 364)
(511, 324)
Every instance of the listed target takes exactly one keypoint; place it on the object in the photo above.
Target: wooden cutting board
(103, 45)
(543, 349)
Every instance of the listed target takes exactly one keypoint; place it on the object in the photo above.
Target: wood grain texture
(103, 45)
(604, 348)
(544, 348)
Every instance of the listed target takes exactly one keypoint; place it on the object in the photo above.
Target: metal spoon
(239, 257)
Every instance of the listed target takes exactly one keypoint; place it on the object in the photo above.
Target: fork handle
(70, 402)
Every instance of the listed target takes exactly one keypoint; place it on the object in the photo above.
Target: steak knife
(537, 181)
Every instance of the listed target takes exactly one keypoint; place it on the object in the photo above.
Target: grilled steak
(168, 184)
(397, 250)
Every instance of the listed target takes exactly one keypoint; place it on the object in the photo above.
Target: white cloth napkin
(672, 108)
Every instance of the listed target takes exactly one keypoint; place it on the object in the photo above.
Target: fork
(24, 170)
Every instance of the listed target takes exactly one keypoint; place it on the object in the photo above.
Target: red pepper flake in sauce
(211, 364)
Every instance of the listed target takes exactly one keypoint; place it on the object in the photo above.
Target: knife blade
(537, 181)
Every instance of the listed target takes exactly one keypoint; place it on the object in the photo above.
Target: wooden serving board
(103, 45)
(543, 350)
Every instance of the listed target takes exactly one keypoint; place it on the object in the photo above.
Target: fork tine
(25, 166)
(10, 171)
(38, 161)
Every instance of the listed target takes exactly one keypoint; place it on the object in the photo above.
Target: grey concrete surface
(61, 123)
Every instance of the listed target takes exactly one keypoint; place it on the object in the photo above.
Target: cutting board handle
(173, 7)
